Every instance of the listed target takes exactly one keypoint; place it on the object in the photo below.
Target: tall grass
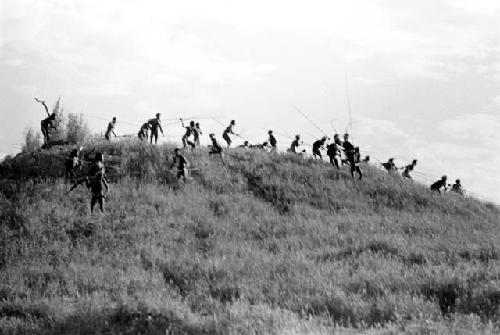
(261, 244)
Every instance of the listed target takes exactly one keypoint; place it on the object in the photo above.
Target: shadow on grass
(118, 321)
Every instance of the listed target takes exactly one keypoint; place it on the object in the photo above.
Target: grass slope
(267, 244)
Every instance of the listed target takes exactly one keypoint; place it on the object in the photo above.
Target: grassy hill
(265, 244)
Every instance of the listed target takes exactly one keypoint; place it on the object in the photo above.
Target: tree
(32, 140)
(77, 129)
(59, 133)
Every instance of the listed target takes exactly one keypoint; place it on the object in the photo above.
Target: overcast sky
(424, 76)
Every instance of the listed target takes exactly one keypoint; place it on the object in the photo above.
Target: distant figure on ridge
(334, 151)
(181, 164)
(348, 148)
(366, 159)
(143, 132)
(111, 129)
(45, 124)
(317, 146)
(272, 141)
(215, 148)
(227, 131)
(408, 168)
(438, 184)
(264, 146)
(457, 187)
(95, 181)
(354, 160)
(154, 125)
(294, 147)
(390, 166)
(190, 130)
(245, 145)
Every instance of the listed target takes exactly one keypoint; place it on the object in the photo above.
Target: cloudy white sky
(424, 76)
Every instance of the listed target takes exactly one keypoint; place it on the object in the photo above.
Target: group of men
(153, 126)
(96, 179)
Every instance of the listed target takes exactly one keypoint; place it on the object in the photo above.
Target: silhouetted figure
(366, 159)
(408, 168)
(72, 164)
(227, 131)
(143, 132)
(272, 141)
(348, 149)
(441, 183)
(457, 187)
(318, 146)
(110, 130)
(181, 164)
(390, 166)
(334, 151)
(190, 130)
(245, 145)
(155, 125)
(95, 181)
(354, 160)
(215, 148)
(264, 146)
(294, 147)
(45, 124)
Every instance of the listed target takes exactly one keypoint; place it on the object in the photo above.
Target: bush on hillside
(77, 130)
(32, 140)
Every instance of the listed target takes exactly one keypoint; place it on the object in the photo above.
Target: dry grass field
(265, 244)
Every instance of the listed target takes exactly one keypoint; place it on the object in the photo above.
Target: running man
(227, 131)
(317, 146)
(190, 130)
(181, 164)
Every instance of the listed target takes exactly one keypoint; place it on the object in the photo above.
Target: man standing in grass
(95, 181)
(155, 125)
(181, 164)
(72, 164)
(295, 145)
(354, 160)
(110, 130)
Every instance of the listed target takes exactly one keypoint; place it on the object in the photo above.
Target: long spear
(348, 101)
(313, 123)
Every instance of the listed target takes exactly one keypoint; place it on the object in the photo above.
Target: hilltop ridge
(266, 243)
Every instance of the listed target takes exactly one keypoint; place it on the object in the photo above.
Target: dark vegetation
(266, 244)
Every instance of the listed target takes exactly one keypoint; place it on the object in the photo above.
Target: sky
(422, 78)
